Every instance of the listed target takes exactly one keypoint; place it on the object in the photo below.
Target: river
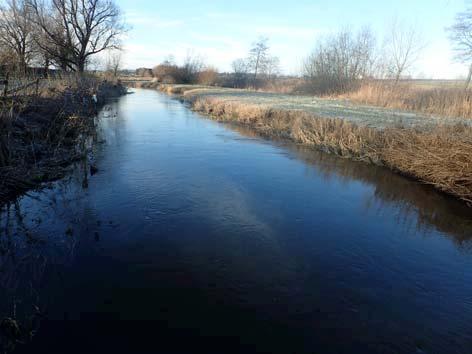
(195, 236)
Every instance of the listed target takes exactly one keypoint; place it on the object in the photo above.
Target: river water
(196, 236)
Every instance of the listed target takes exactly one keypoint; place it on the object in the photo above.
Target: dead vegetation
(440, 101)
(390, 189)
(440, 156)
(43, 132)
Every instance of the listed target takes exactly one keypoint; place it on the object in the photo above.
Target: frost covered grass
(432, 150)
(360, 114)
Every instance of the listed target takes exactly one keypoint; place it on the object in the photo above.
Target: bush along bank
(42, 133)
(439, 155)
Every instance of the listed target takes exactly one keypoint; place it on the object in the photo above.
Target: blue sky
(222, 31)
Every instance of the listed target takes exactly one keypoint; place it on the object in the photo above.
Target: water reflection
(417, 205)
(208, 231)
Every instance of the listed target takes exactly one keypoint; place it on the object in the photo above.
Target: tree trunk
(255, 71)
(81, 66)
(23, 66)
(397, 77)
(469, 78)
(46, 68)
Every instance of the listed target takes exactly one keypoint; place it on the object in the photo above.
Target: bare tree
(193, 65)
(6, 57)
(208, 76)
(272, 67)
(240, 73)
(168, 72)
(340, 61)
(58, 51)
(16, 32)
(192, 71)
(258, 57)
(113, 64)
(72, 31)
(403, 48)
(461, 37)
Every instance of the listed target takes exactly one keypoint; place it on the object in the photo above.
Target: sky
(222, 31)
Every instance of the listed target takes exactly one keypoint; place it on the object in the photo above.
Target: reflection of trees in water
(29, 246)
(22, 266)
(415, 203)
(28, 249)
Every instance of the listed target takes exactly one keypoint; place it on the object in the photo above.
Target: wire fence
(14, 86)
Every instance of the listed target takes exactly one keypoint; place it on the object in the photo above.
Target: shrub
(208, 76)
(168, 73)
(340, 62)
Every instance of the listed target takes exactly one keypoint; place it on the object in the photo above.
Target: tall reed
(440, 101)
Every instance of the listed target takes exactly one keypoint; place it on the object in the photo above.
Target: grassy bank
(434, 153)
(443, 98)
(43, 130)
(390, 189)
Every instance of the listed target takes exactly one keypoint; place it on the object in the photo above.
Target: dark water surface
(198, 237)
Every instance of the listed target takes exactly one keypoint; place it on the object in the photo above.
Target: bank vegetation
(48, 100)
(436, 154)
(355, 67)
(42, 131)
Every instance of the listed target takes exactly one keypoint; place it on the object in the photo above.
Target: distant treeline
(340, 63)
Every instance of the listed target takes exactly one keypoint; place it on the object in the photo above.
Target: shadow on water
(27, 253)
(416, 203)
(201, 235)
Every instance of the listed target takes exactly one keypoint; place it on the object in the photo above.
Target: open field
(427, 84)
(433, 150)
(405, 102)
(362, 115)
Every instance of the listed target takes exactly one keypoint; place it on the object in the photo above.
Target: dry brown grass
(440, 156)
(390, 189)
(444, 101)
(42, 132)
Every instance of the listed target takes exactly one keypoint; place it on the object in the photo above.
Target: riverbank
(431, 150)
(42, 133)
(190, 219)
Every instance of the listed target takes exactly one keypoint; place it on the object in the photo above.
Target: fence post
(5, 85)
(37, 87)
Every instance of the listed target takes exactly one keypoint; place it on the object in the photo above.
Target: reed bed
(440, 156)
